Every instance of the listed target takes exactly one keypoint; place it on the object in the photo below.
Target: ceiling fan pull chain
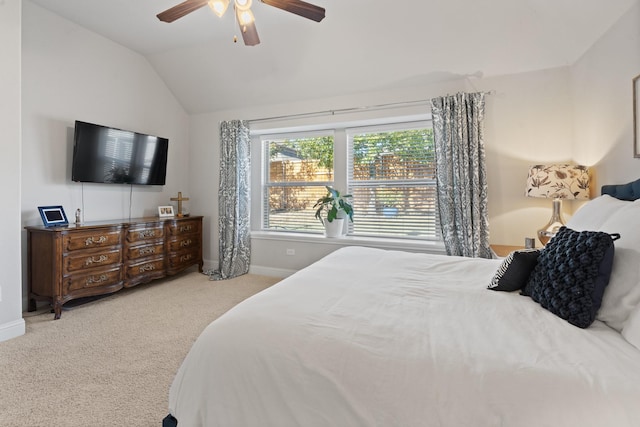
(235, 19)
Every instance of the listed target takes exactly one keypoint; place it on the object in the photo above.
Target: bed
(371, 337)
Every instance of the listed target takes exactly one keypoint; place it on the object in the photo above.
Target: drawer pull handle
(146, 267)
(184, 243)
(185, 228)
(93, 259)
(147, 251)
(93, 241)
(93, 279)
(184, 258)
(146, 233)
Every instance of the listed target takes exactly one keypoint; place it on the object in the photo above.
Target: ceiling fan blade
(249, 32)
(299, 7)
(181, 10)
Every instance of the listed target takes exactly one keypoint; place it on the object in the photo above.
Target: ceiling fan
(244, 16)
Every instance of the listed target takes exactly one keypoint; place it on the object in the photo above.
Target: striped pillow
(514, 272)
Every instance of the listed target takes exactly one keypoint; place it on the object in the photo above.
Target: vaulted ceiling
(361, 45)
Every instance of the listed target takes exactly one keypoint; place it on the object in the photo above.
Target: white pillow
(594, 213)
(622, 294)
(631, 330)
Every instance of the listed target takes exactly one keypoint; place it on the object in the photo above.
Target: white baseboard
(209, 265)
(254, 269)
(269, 271)
(12, 329)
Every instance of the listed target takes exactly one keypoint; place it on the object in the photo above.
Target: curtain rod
(350, 110)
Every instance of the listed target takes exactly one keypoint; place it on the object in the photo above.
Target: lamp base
(551, 228)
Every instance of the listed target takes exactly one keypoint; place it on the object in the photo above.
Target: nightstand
(504, 250)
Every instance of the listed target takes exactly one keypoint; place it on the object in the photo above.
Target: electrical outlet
(291, 251)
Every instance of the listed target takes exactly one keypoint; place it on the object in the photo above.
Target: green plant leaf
(332, 203)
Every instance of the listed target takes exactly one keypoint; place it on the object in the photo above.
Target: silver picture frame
(165, 211)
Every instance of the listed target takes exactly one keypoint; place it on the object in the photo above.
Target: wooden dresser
(64, 263)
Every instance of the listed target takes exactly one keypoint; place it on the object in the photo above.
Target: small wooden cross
(179, 199)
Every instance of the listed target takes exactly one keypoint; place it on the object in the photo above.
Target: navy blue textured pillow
(572, 272)
(514, 272)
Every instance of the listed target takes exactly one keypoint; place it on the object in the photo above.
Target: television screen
(108, 155)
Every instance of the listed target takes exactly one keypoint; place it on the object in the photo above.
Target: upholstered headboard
(630, 191)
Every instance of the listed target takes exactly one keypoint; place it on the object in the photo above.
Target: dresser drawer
(81, 260)
(178, 228)
(185, 242)
(100, 278)
(144, 271)
(92, 239)
(181, 260)
(145, 234)
(143, 251)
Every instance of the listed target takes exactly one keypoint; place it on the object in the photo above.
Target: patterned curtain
(458, 128)
(234, 200)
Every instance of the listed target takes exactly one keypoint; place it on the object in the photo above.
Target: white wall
(11, 323)
(528, 120)
(602, 100)
(68, 74)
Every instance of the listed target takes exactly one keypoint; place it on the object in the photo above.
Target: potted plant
(335, 208)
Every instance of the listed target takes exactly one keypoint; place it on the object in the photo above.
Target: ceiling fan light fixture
(219, 7)
(243, 13)
(243, 4)
(245, 17)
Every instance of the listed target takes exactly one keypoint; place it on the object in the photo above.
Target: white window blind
(391, 175)
(297, 168)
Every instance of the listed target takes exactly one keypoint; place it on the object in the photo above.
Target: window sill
(382, 243)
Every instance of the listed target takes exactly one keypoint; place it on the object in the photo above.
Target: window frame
(277, 128)
(266, 183)
(382, 128)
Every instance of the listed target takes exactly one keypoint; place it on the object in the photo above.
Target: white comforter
(367, 337)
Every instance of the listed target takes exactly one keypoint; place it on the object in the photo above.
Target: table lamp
(557, 182)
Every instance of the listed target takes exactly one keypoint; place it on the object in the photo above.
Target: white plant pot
(333, 228)
(342, 214)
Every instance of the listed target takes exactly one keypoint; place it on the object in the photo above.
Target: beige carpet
(110, 362)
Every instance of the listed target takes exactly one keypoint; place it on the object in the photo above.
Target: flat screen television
(108, 155)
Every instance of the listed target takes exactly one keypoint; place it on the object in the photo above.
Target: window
(388, 169)
(391, 175)
(298, 167)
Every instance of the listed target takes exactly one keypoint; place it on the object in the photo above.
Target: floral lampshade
(557, 182)
(560, 181)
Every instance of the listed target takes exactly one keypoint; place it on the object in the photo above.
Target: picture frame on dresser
(53, 216)
(636, 119)
(165, 211)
